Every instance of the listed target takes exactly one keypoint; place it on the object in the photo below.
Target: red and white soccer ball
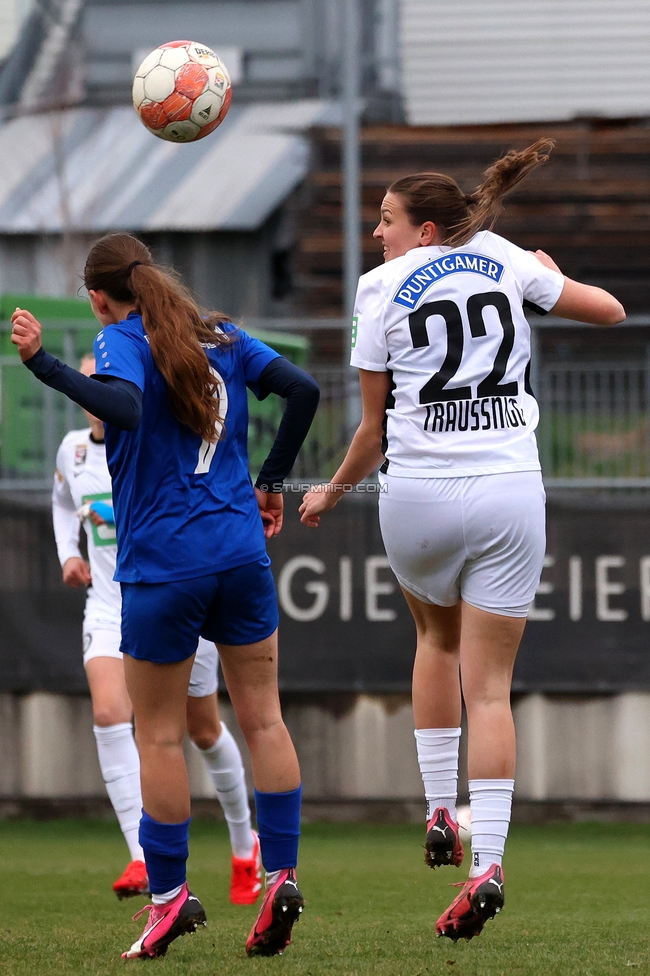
(181, 91)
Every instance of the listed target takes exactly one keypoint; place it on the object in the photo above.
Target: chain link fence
(594, 422)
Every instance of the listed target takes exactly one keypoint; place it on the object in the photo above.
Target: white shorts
(101, 642)
(204, 679)
(481, 539)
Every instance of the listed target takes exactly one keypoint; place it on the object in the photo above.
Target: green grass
(577, 902)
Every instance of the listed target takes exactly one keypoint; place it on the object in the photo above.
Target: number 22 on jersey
(436, 389)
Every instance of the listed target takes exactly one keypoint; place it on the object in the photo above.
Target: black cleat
(481, 898)
(282, 906)
(443, 844)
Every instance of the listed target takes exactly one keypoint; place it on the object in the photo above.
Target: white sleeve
(64, 517)
(369, 350)
(540, 285)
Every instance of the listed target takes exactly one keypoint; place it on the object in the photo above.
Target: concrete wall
(355, 748)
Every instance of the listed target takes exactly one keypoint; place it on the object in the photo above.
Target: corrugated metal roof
(474, 62)
(93, 170)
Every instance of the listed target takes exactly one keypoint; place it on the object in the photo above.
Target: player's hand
(271, 506)
(95, 518)
(26, 333)
(317, 501)
(544, 259)
(101, 513)
(76, 572)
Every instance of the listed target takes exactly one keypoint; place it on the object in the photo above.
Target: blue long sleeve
(302, 395)
(117, 402)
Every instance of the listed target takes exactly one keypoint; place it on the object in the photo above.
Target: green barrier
(31, 414)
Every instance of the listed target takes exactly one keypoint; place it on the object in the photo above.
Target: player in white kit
(82, 491)
(443, 350)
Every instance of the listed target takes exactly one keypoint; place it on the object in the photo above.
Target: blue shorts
(162, 622)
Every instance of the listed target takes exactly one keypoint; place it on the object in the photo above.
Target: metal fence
(594, 424)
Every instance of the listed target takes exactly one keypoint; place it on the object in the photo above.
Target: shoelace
(145, 908)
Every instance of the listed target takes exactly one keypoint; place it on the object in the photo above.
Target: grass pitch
(576, 902)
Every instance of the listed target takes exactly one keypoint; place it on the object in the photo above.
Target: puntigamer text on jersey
(413, 288)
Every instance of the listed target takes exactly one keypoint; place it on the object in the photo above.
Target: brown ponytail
(122, 267)
(438, 198)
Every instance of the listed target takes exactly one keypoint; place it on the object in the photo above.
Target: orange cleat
(443, 844)
(133, 882)
(246, 878)
(480, 899)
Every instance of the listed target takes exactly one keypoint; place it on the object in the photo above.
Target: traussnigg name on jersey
(487, 413)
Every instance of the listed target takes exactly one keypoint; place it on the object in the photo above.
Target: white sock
(226, 770)
(167, 896)
(438, 759)
(120, 765)
(490, 801)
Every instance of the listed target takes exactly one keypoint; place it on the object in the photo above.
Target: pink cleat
(480, 899)
(165, 923)
(443, 844)
(282, 906)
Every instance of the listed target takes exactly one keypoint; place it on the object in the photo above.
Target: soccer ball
(464, 820)
(181, 91)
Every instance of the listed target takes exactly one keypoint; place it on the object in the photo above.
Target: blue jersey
(183, 507)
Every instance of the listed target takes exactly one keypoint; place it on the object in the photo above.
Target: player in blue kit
(171, 389)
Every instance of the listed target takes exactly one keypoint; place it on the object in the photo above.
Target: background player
(443, 350)
(171, 388)
(82, 489)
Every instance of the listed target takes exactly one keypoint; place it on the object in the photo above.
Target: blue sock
(166, 850)
(278, 824)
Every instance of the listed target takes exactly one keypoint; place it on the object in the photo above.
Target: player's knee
(203, 729)
(255, 725)
(110, 713)
(204, 739)
(159, 738)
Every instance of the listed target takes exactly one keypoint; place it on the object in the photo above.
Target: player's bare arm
(364, 454)
(583, 303)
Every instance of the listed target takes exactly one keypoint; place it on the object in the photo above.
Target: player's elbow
(615, 313)
(311, 392)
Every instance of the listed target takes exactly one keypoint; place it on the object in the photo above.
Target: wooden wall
(589, 207)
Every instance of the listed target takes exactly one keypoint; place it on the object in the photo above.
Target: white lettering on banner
(606, 588)
(319, 588)
(644, 587)
(345, 588)
(575, 588)
(543, 613)
(570, 587)
(374, 589)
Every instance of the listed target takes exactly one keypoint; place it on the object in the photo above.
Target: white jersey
(448, 324)
(82, 476)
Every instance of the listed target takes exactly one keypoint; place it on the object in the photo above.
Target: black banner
(344, 624)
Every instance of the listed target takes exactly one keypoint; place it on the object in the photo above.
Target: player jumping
(443, 350)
